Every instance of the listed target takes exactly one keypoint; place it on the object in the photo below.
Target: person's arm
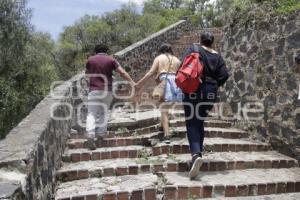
(124, 75)
(150, 73)
(222, 73)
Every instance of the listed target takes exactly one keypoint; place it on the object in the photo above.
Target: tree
(157, 6)
(196, 5)
(26, 69)
(118, 29)
(14, 33)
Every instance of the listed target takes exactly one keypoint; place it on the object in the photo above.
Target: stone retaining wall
(261, 55)
(31, 152)
(138, 57)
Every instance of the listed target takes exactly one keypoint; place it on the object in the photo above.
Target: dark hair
(101, 48)
(165, 48)
(207, 39)
(297, 59)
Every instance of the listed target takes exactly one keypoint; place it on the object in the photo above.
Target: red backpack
(189, 74)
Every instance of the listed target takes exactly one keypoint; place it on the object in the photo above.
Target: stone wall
(261, 55)
(31, 152)
(138, 58)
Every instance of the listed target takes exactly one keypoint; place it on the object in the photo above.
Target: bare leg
(165, 122)
(165, 119)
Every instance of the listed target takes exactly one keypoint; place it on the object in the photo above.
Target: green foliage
(26, 64)
(278, 6)
(241, 6)
(287, 6)
(14, 34)
(245, 11)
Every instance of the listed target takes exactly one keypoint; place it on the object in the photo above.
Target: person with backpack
(164, 67)
(203, 70)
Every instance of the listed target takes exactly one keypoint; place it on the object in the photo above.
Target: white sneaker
(195, 168)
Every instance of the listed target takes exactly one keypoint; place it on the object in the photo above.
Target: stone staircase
(132, 163)
(184, 42)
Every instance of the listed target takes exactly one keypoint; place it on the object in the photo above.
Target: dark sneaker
(197, 163)
(167, 140)
(90, 144)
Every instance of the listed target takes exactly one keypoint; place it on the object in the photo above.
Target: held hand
(134, 86)
(138, 86)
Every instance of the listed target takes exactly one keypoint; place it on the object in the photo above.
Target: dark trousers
(196, 107)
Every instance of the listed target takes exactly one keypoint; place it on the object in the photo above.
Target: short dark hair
(101, 48)
(207, 39)
(297, 59)
(165, 48)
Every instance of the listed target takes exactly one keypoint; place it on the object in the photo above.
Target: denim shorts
(172, 92)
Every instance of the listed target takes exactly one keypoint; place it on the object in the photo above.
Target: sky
(52, 15)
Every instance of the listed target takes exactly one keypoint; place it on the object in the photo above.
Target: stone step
(123, 133)
(131, 124)
(177, 146)
(135, 120)
(144, 138)
(78, 155)
(211, 145)
(213, 132)
(173, 186)
(125, 187)
(174, 131)
(285, 196)
(175, 119)
(235, 183)
(171, 163)
(151, 123)
(117, 141)
(211, 124)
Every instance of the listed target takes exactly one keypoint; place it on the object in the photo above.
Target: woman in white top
(165, 67)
